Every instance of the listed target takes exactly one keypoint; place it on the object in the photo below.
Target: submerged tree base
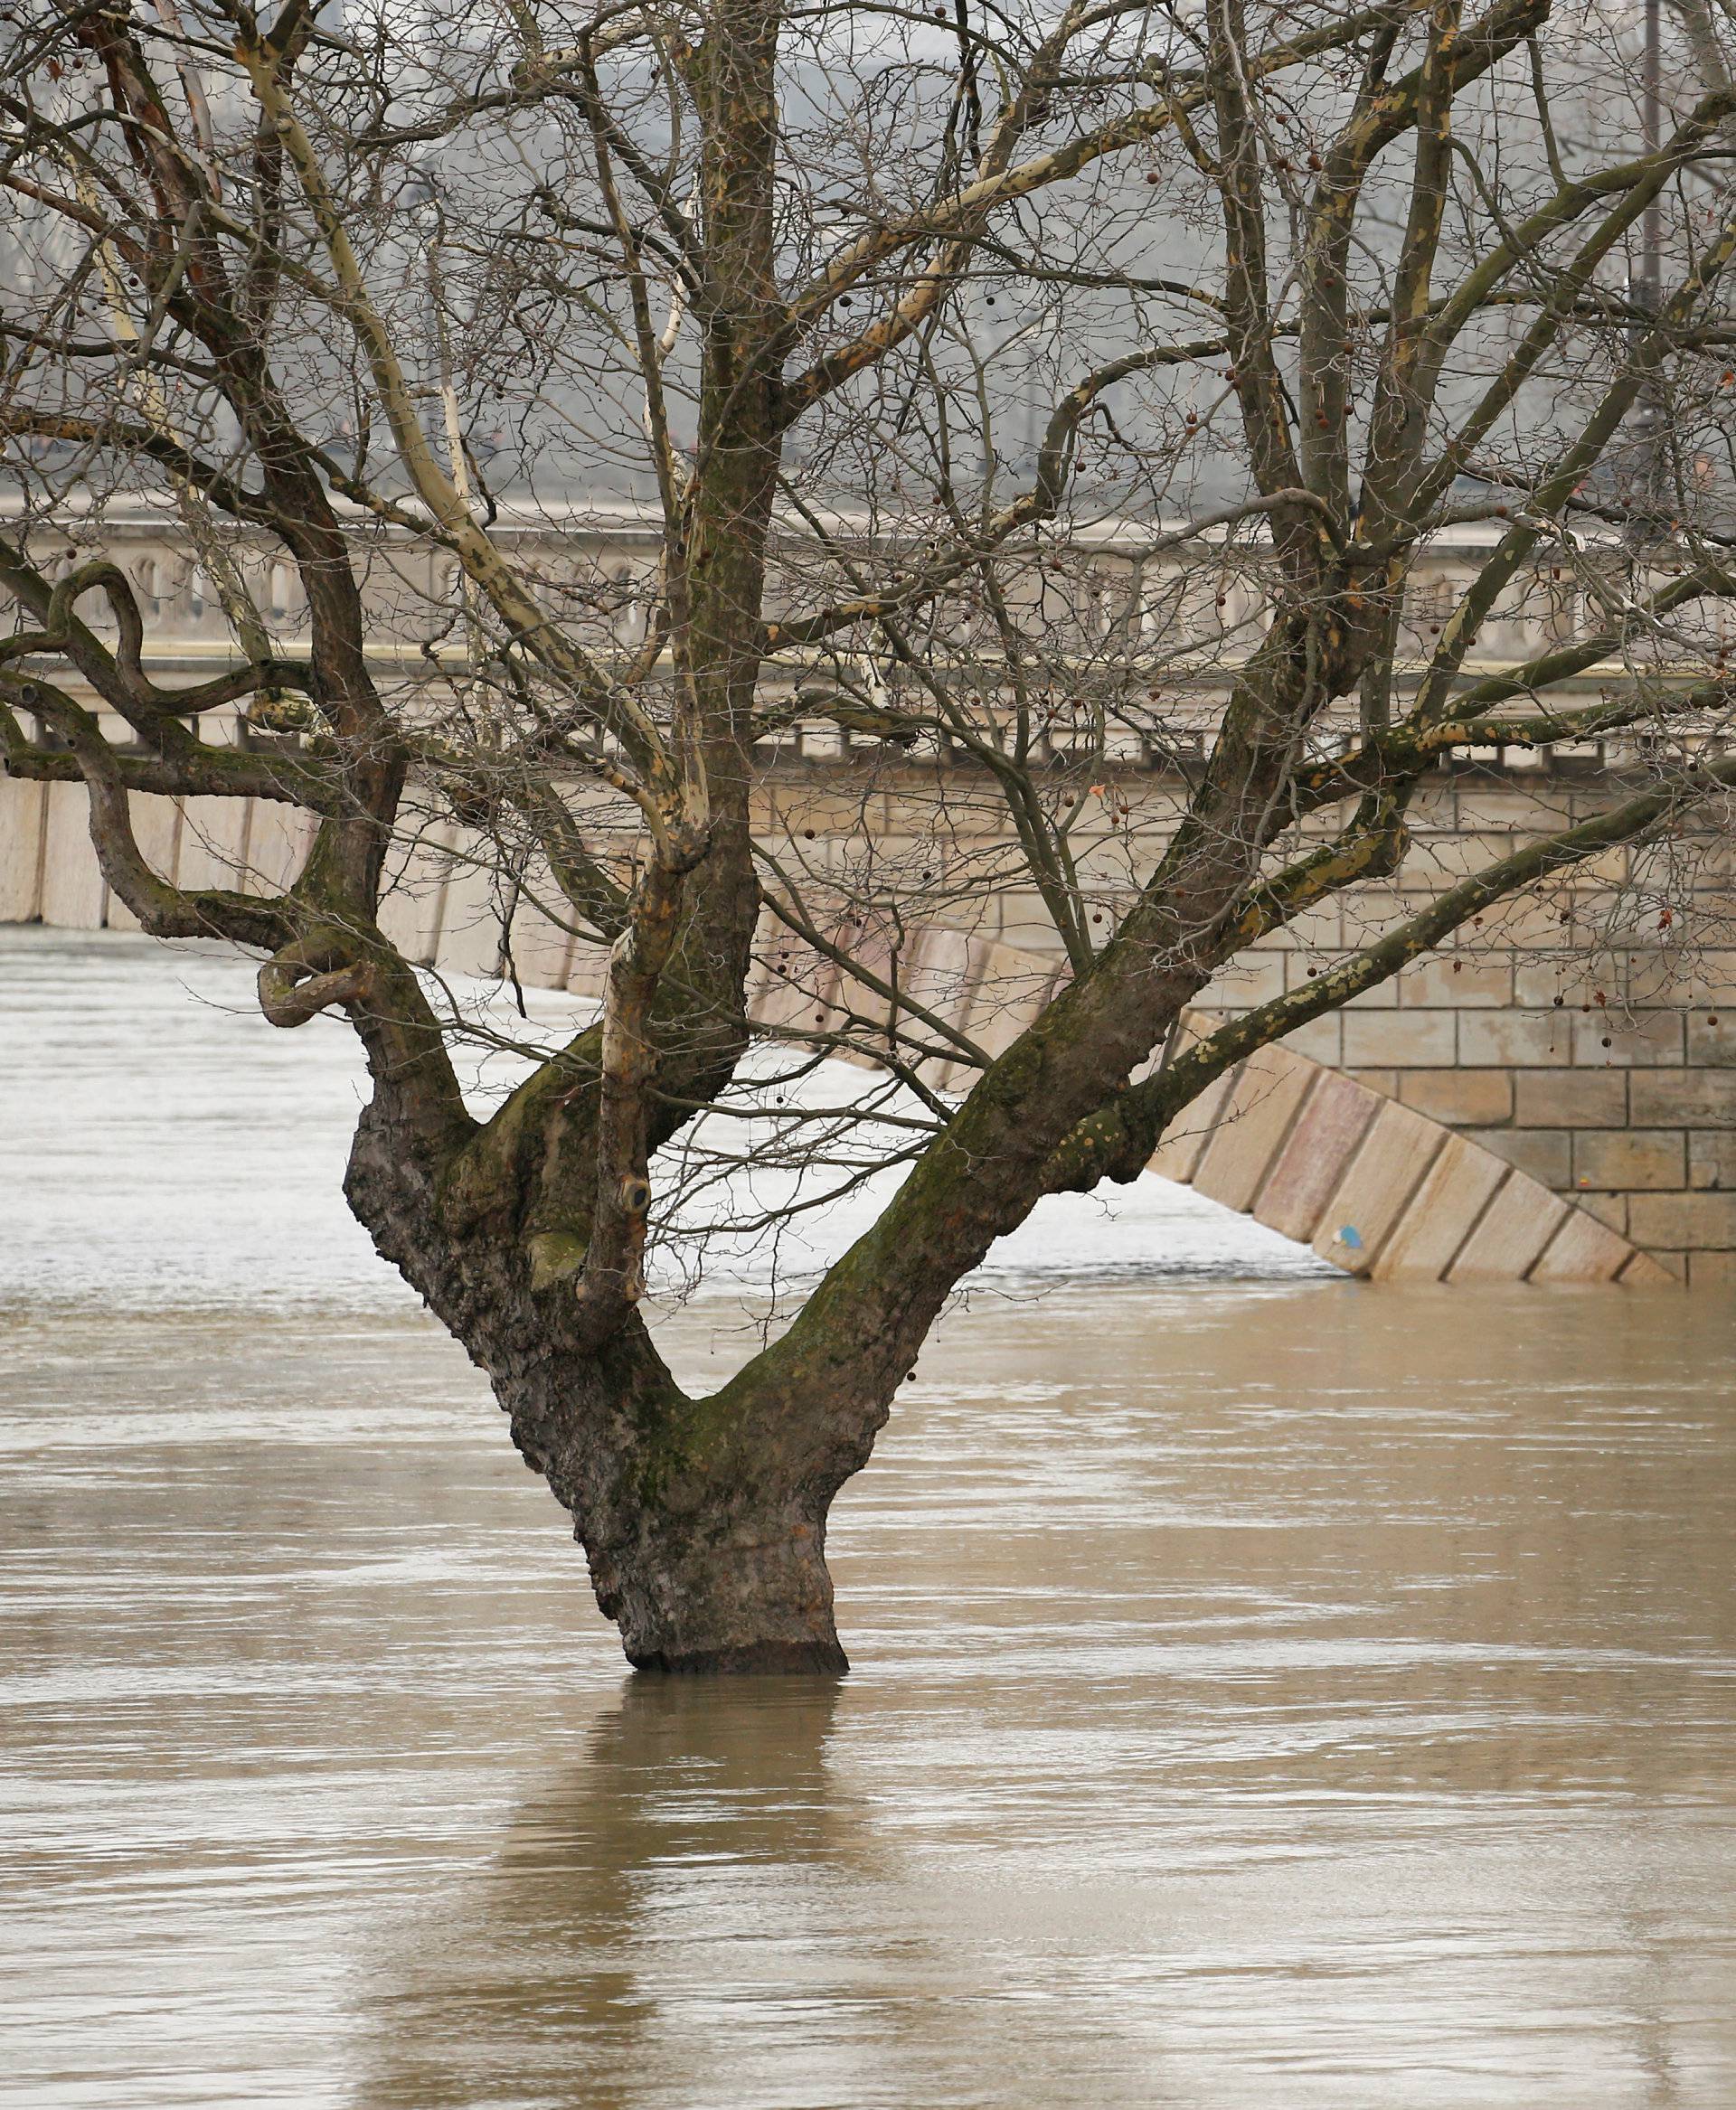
(793, 1659)
(706, 1608)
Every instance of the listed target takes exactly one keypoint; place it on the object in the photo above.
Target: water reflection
(662, 1917)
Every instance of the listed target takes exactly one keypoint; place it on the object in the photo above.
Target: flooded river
(1269, 1690)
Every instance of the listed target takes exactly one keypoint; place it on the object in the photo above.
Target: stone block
(1319, 929)
(24, 809)
(809, 808)
(1370, 912)
(1544, 1154)
(1251, 1126)
(1681, 1220)
(792, 985)
(1185, 1141)
(1536, 983)
(857, 865)
(1611, 867)
(1506, 809)
(1711, 1158)
(1610, 1208)
(1251, 978)
(588, 970)
(1712, 1271)
(1707, 978)
(1710, 1039)
(1333, 1120)
(1583, 1250)
(1435, 808)
(1665, 971)
(1660, 1098)
(213, 834)
(1569, 1099)
(1648, 1039)
(1514, 1040)
(473, 915)
(1383, 1081)
(157, 829)
(1435, 862)
(769, 932)
(1012, 987)
(1456, 984)
(1471, 850)
(542, 951)
(1630, 1158)
(276, 842)
(1025, 923)
(937, 975)
(1653, 1271)
(1441, 1215)
(1518, 1225)
(1715, 854)
(878, 952)
(1640, 981)
(1462, 1098)
(979, 993)
(1520, 920)
(1321, 1039)
(412, 903)
(1421, 1040)
(1389, 1167)
(73, 893)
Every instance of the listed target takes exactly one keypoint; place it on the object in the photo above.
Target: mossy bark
(705, 1529)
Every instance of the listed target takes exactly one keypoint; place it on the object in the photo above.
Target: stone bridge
(1510, 1108)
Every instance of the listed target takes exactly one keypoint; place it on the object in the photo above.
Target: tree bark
(704, 1532)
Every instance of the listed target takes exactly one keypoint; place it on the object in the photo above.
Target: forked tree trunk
(704, 1528)
(703, 1521)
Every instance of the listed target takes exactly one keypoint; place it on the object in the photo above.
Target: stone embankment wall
(1447, 1132)
(1586, 1038)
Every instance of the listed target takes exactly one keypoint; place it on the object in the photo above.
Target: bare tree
(999, 385)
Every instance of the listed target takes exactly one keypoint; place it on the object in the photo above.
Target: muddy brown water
(1268, 1690)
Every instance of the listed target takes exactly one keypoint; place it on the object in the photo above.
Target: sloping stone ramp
(1378, 1189)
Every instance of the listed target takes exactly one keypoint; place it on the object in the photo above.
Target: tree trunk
(737, 1585)
(704, 1529)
